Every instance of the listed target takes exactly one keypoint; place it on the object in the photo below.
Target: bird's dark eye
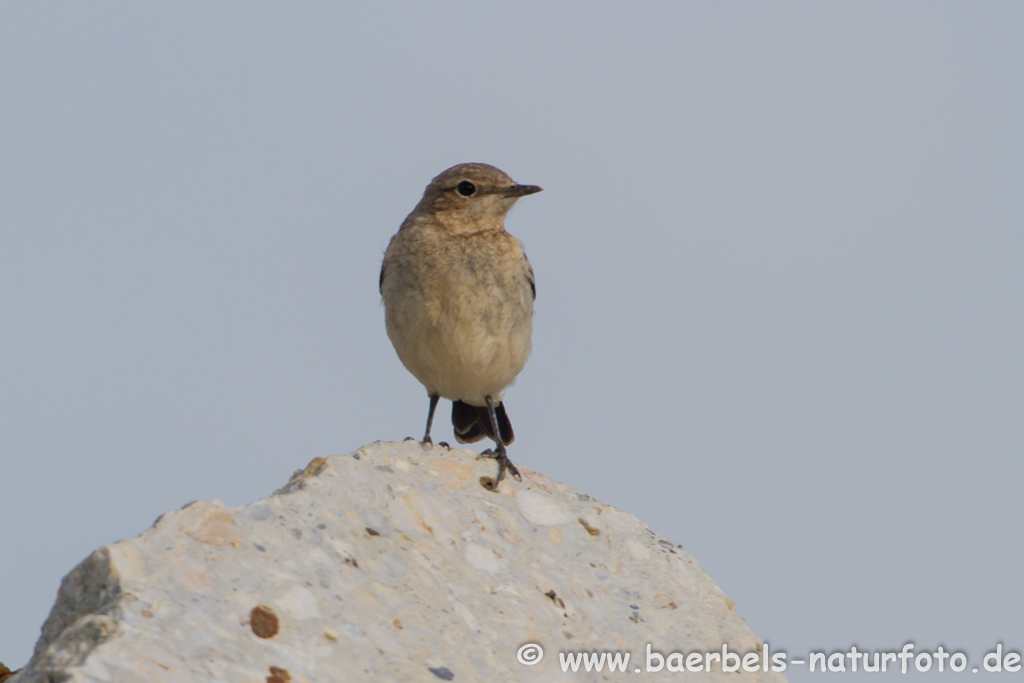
(466, 188)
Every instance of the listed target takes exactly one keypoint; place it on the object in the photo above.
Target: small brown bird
(458, 297)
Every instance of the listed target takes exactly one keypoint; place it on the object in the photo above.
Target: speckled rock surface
(392, 563)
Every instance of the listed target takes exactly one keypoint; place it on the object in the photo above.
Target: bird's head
(472, 197)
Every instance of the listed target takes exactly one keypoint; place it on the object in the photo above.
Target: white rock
(484, 558)
(390, 564)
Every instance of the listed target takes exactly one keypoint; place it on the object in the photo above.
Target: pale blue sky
(780, 310)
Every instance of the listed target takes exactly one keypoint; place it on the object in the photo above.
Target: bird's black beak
(520, 190)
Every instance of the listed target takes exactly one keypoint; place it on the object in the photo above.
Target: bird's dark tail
(473, 423)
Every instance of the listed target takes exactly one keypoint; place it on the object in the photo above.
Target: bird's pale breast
(459, 310)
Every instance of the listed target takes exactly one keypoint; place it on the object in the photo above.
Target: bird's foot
(445, 444)
(504, 465)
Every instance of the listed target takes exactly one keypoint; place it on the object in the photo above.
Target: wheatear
(458, 298)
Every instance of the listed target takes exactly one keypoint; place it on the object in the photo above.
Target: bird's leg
(430, 418)
(500, 455)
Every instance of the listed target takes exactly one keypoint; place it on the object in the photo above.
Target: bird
(458, 294)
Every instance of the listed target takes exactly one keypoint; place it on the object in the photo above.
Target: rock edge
(390, 563)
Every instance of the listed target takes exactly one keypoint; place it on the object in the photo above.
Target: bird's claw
(504, 465)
